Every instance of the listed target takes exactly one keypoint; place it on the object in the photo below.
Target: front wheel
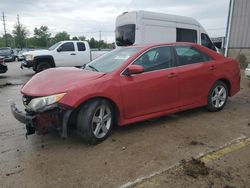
(42, 66)
(95, 121)
(217, 97)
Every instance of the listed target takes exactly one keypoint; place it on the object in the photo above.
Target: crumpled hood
(37, 52)
(58, 80)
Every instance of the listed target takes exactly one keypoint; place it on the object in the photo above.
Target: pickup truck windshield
(112, 60)
(54, 46)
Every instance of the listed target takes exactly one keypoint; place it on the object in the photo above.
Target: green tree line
(42, 38)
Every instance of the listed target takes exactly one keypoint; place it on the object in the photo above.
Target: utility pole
(4, 26)
(100, 35)
(18, 20)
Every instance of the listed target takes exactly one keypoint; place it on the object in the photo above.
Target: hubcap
(219, 96)
(101, 121)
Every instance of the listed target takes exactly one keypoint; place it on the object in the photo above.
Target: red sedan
(125, 86)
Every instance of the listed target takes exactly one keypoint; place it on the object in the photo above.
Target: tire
(42, 66)
(95, 121)
(217, 97)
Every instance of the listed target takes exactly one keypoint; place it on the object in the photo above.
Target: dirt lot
(132, 152)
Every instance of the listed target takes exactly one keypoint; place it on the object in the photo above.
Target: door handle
(212, 67)
(73, 54)
(172, 75)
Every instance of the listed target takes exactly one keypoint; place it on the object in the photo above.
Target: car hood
(37, 52)
(58, 80)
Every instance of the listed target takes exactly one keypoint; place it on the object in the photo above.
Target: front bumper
(27, 64)
(9, 58)
(41, 123)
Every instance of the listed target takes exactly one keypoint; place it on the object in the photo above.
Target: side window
(81, 46)
(205, 41)
(189, 55)
(186, 35)
(156, 59)
(67, 47)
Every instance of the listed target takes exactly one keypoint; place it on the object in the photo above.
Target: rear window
(186, 35)
(81, 46)
(125, 35)
(190, 55)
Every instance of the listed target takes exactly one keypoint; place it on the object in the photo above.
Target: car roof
(204, 49)
(164, 44)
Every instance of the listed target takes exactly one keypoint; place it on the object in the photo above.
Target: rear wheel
(95, 121)
(217, 97)
(42, 66)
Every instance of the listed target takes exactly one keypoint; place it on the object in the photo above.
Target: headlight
(29, 57)
(44, 103)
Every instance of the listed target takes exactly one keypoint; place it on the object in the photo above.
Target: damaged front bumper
(42, 122)
(27, 64)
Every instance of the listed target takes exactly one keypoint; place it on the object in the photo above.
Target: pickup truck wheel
(95, 121)
(42, 66)
(217, 97)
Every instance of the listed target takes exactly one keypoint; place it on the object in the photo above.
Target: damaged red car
(127, 85)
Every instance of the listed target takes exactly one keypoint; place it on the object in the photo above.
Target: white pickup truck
(62, 54)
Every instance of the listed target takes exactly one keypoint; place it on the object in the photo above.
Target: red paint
(140, 96)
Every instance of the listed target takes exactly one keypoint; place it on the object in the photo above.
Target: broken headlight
(41, 104)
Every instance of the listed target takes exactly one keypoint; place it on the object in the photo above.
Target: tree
(61, 36)
(93, 43)
(74, 38)
(42, 35)
(10, 40)
(82, 38)
(20, 33)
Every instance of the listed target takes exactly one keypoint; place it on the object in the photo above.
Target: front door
(154, 90)
(66, 56)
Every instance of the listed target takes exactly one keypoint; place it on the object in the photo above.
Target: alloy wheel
(219, 96)
(101, 122)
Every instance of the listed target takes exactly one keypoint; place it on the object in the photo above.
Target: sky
(88, 17)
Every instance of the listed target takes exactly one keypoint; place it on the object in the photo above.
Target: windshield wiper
(93, 68)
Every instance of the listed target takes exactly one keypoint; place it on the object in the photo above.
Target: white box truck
(143, 27)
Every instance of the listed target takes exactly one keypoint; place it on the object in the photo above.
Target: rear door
(82, 54)
(154, 90)
(196, 72)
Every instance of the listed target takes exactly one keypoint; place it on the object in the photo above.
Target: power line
(4, 26)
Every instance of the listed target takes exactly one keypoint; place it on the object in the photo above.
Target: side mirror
(59, 49)
(134, 69)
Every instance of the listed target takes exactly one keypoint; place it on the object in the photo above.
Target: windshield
(125, 35)
(5, 51)
(112, 60)
(54, 46)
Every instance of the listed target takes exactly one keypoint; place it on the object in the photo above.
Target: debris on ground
(194, 143)
(10, 84)
(194, 168)
(16, 172)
